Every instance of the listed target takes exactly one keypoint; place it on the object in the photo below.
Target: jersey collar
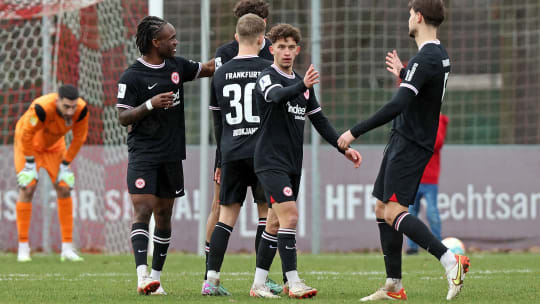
(246, 56)
(436, 41)
(152, 66)
(283, 73)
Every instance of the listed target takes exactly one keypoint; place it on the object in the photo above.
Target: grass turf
(340, 278)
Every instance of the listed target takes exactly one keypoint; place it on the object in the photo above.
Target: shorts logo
(140, 183)
(306, 94)
(287, 191)
(175, 77)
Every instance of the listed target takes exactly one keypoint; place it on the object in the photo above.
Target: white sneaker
(147, 285)
(300, 290)
(159, 292)
(23, 254)
(70, 255)
(262, 291)
(456, 275)
(383, 294)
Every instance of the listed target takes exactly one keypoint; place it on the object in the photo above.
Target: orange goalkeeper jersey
(42, 128)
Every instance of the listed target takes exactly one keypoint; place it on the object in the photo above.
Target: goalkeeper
(39, 143)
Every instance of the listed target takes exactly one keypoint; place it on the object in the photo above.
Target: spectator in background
(429, 188)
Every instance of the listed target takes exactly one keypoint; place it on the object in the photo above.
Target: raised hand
(393, 63)
(311, 78)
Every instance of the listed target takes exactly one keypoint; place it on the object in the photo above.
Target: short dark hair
(257, 7)
(432, 10)
(147, 30)
(68, 91)
(284, 31)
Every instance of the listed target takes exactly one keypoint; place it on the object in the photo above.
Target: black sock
(260, 229)
(218, 246)
(391, 243)
(287, 248)
(267, 250)
(139, 241)
(162, 239)
(417, 231)
(206, 250)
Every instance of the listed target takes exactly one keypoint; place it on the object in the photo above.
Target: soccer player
(223, 54)
(236, 123)
(415, 111)
(284, 100)
(151, 105)
(40, 143)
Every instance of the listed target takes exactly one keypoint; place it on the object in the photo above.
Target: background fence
(492, 95)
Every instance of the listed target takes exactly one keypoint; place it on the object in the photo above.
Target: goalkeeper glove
(28, 173)
(66, 175)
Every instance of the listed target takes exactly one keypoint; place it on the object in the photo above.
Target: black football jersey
(160, 136)
(281, 134)
(229, 50)
(233, 95)
(426, 75)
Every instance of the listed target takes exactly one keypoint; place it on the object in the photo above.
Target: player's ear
(236, 37)
(419, 17)
(260, 40)
(155, 43)
(271, 49)
(298, 49)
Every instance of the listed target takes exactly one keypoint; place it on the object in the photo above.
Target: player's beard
(412, 33)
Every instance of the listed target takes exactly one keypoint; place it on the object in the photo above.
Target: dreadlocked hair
(146, 31)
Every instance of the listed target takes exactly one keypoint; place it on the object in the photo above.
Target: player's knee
(272, 226)
(27, 193)
(290, 220)
(379, 210)
(142, 213)
(62, 191)
(163, 215)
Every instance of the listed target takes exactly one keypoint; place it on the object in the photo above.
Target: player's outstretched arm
(129, 116)
(208, 69)
(393, 63)
(384, 115)
(278, 94)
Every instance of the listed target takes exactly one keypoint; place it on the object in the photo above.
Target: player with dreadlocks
(151, 106)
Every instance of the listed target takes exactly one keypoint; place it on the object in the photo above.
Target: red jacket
(433, 168)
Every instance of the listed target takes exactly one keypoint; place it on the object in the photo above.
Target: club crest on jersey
(175, 77)
(306, 94)
(140, 183)
(287, 191)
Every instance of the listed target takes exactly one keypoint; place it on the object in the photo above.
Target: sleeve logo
(306, 94)
(121, 90)
(218, 62)
(33, 120)
(410, 73)
(265, 82)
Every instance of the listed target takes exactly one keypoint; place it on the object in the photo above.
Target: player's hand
(311, 78)
(354, 156)
(163, 100)
(345, 140)
(393, 63)
(28, 173)
(66, 175)
(217, 176)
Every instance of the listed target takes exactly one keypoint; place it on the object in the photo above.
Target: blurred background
(489, 187)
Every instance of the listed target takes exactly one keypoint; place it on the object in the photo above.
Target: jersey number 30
(240, 112)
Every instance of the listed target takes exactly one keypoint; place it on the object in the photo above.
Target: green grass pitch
(340, 278)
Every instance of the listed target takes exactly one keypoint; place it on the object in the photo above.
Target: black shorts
(164, 180)
(401, 170)
(279, 186)
(236, 176)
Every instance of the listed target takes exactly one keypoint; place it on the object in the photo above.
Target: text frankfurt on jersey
(244, 131)
(244, 74)
(298, 111)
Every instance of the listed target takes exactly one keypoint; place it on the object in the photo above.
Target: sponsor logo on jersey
(175, 77)
(287, 191)
(140, 183)
(306, 94)
(176, 99)
(244, 131)
(298, 111)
